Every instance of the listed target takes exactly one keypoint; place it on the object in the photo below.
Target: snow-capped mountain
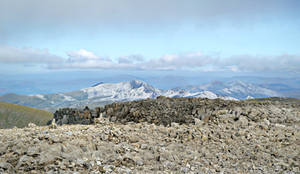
(201, 94)
(133, 90)
(104, 93)
(136, 90)
(237, 89)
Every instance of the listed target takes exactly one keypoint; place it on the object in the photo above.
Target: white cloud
(15, 55)
(130, 59)
(84, 59)
(194, 61)
(283, 63)
(180, 61)
(78, 11)
(27, 15)
(82, 53)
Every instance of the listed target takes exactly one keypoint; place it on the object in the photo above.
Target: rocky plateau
(163, 135)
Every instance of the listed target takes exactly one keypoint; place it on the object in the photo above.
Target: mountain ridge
(237, 89)
(106, 93)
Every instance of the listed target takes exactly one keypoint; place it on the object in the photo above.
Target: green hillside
(17, 115)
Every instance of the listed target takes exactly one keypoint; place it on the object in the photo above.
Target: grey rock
(33, 151)
(158, 137)
(5, 166)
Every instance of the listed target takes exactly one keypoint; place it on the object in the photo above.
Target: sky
(130, 36)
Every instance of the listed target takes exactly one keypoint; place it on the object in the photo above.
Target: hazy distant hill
(17, 115)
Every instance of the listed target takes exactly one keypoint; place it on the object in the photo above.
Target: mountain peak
(97, 84)
(137, 83)
(239, 83)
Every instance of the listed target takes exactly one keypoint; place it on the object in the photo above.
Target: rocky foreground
(161, 136)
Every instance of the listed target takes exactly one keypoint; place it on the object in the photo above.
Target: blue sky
(233, 36)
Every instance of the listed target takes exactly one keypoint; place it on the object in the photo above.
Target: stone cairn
(164, 111)
(160, 111)
(76, 116)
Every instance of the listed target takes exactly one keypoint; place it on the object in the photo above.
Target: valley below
(162, 135)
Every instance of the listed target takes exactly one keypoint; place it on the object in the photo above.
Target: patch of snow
(67, 98)
(40, 96)
(249, 97)
(228, 91)
(229, 98)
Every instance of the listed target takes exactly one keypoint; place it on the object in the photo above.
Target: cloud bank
(136, 11)
(13, 55)
(27, 16)
(84, 59)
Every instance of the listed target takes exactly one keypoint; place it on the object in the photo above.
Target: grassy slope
(17, 115)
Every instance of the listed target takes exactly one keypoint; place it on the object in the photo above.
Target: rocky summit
(163, 135)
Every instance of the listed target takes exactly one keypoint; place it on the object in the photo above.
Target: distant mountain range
(236, 89)
(105, 93)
